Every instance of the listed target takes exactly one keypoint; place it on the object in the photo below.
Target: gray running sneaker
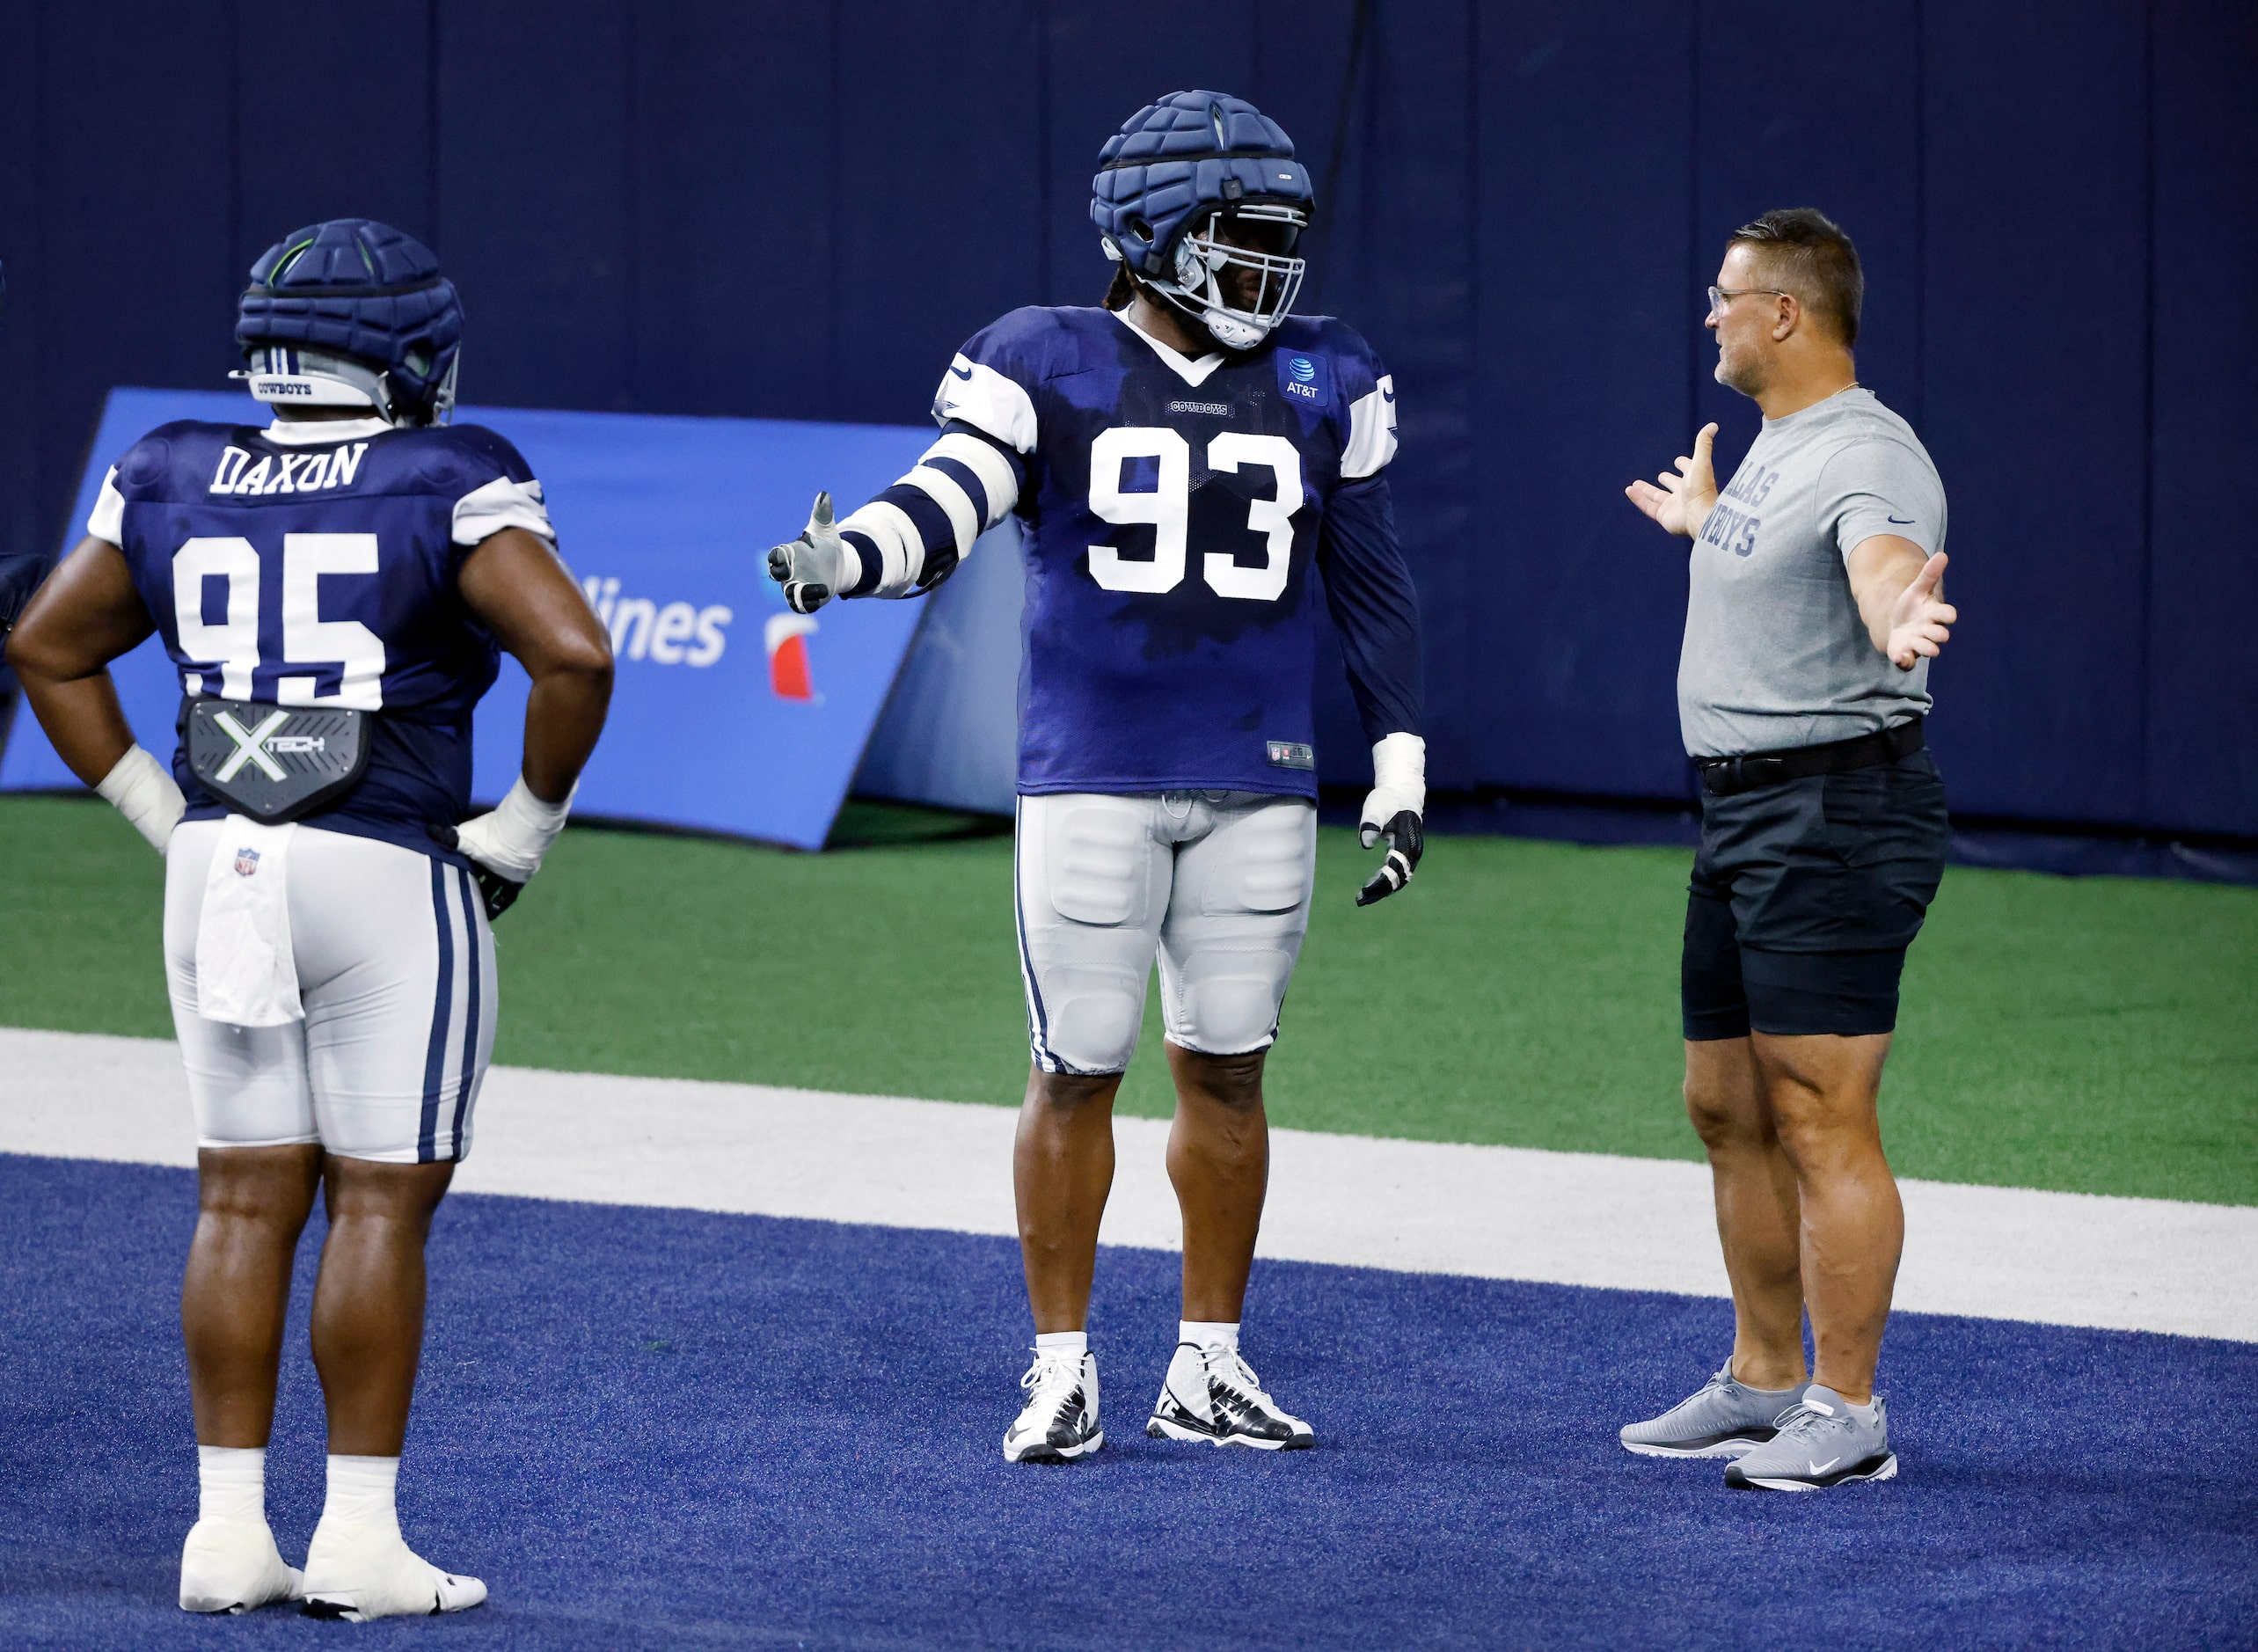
(1821, 1443)
(1724, 1420)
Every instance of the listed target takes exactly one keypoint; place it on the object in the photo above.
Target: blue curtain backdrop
(798, 210)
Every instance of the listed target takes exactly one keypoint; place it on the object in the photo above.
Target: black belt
(1724, 777)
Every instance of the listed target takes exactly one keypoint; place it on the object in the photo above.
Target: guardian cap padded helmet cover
(1174, 164)
(350, 312)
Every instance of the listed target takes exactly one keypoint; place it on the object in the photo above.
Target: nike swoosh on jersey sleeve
(987, 400)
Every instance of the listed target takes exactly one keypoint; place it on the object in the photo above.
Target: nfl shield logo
(246, 862)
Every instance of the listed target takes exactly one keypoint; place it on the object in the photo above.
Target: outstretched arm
(1375, 608)
(1901, 599)
(911, 537)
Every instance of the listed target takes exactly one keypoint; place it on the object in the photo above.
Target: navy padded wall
(21, 525)
(2036, 374)
(536, 213)
(2203, 614)
(799, 209)
(733, 261)
(1575, 602)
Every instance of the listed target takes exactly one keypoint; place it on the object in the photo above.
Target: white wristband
(139, 787)
(512, 839)
(1398, 779)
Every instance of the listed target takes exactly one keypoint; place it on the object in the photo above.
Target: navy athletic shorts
(1806, 894)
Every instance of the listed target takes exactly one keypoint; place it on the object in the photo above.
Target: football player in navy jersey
(333, 589)
(1181, 460)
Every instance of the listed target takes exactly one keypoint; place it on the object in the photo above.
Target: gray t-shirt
(1775, 653)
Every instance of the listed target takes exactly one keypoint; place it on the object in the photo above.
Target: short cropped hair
(1810, 256)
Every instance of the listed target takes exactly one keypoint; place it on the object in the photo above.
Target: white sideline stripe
(1420, 1207)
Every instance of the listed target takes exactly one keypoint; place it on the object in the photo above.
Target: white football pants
(1218, 881)
(395, 969)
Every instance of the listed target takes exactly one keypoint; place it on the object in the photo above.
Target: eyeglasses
(1718, 295)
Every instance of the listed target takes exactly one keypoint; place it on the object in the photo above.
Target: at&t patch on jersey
(1302, 377)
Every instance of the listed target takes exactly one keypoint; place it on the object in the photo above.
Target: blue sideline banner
(730, 714)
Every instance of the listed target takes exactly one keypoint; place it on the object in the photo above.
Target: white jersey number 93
(1167, 507)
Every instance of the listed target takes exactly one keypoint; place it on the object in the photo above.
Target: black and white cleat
(1059, 1423)
(1212, 1395)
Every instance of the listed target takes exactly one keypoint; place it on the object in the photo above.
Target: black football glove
(495, 892)
(1405, 839)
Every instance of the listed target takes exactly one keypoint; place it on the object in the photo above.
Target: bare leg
(251, 1205)
(1061, 1170)
(1822, 1093)
(368, 1328)
(1757, 1219)
(1220, 1160)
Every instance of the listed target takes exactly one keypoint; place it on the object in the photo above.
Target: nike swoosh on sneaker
(1821, 1468)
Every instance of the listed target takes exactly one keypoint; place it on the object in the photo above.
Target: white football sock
(361, 1491)
(1208, 1332)
(1074, 1342)
(231, 1482)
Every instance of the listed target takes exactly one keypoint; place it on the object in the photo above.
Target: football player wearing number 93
(1180, 459)
(332, 589)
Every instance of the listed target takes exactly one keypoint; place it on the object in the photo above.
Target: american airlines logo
(288, 472)
(673, 633)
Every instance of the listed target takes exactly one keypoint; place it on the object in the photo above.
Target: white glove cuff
(140, 788)
(517, 834)
(1398, 779)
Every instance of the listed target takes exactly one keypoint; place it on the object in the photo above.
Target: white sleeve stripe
(1372, 432)
(991, 467)
(909, 557)
(901, 547)
(955, 503)
(107, 519)
(502, 503)
(884, 539)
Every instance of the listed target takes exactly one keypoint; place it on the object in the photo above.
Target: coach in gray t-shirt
(1776, 652)
(1802, 692)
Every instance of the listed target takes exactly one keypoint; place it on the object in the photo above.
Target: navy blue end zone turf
(662, 1428)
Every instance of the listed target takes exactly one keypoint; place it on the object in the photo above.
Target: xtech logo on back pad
(1304, 379)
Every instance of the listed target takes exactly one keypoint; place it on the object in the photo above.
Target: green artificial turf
(2098, 1034)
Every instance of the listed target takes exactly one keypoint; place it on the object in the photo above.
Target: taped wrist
(140, 788)
(513, 839)
(1398, 779)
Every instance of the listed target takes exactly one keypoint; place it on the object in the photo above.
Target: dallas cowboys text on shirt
(1730, 528)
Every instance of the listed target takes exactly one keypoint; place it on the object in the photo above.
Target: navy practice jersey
(1173, 508)
(313, 563)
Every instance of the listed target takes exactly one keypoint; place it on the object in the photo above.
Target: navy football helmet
(352, 313)
(1166, 176)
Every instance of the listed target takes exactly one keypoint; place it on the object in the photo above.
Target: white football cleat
(1212, 1395)
(1059, 1423)
(360, 1572)
(233, 1566)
